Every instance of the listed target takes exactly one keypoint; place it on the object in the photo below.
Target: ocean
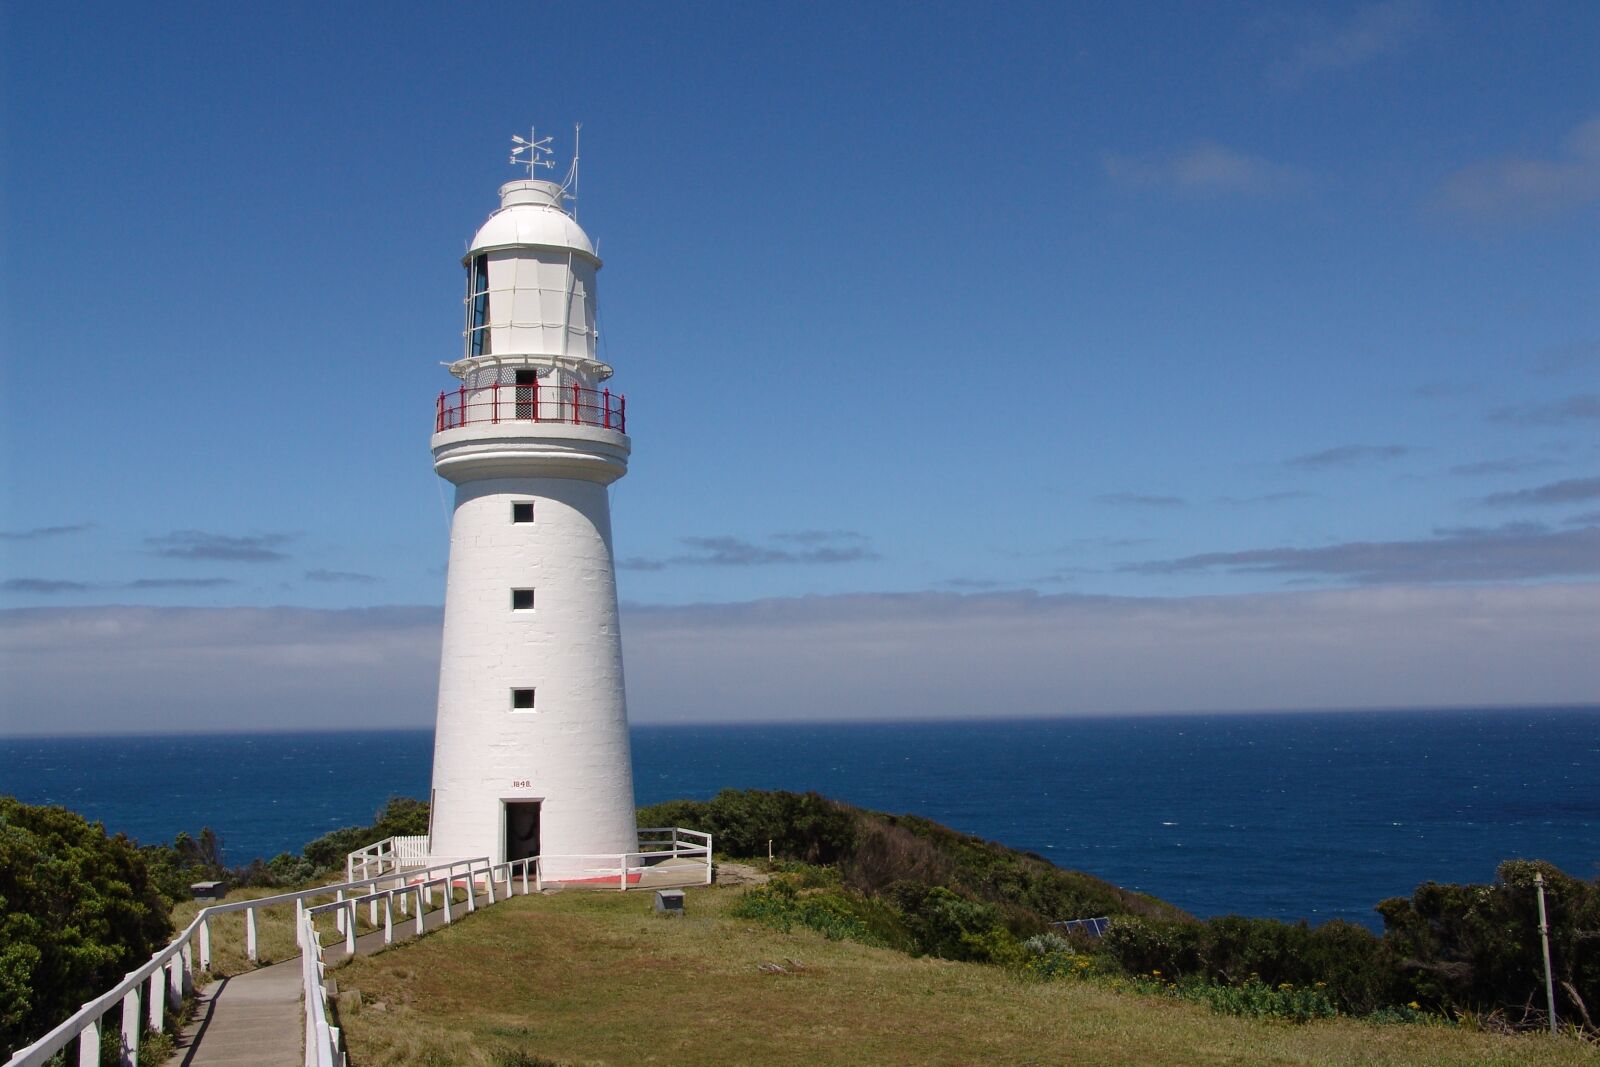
(1293, 816)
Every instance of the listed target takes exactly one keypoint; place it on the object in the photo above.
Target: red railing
(532, 403)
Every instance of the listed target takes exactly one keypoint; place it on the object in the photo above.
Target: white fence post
(158, 993)
(350, 931)
(250, 933)
(205, 945)
(338, 913)
(708, 859)
(388, 919)
(449, 896)
(89, 1045)
(175, 976)
(130, 1027)
(188, 968)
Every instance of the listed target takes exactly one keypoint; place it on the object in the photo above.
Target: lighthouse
(531, 750)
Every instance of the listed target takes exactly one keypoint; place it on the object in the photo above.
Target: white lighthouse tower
(531, 748)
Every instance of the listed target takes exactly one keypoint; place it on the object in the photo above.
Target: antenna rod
(577, 128)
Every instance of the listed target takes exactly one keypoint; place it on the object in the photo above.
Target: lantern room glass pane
(480, 306)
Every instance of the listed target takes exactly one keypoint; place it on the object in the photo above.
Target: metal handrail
(531, 402)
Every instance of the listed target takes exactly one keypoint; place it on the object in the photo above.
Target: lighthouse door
(522, 829)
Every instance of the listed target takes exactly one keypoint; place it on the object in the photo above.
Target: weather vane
(536, 148)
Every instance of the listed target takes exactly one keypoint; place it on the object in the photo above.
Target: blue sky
(1130, 301)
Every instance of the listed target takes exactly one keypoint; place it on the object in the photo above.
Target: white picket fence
(673, 856)
(667, 856)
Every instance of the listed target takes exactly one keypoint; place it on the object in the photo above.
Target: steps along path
(255, 1018)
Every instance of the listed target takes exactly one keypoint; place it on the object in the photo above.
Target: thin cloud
(43, 585)
(1141, 500)
(1281, 497)
(1510, 553)
(179, 583)
(1584, 407)
(975, 584)
(1509, 465)
(1348, 455)
(1373, 32)
(1586, 518)
(1207, 169)
(334, 577)
(1567, 491)
(815, 546)
(1562, 359)
(864, 657)
(1519, 188)
(40, 533)
(199, 545)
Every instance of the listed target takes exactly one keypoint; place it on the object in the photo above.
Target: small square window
(522, 600)
(522, 700)
(522, 511)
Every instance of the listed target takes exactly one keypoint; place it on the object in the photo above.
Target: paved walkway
(250, 1018)
(255, 1017)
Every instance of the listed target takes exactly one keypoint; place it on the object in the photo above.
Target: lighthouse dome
(531, 215)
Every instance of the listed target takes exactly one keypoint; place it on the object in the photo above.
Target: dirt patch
(740, 874)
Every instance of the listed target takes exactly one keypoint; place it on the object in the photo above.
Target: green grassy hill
(587, 978)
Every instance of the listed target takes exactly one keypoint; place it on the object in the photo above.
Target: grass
(595, 978)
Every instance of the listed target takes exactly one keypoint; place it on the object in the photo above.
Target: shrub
(836, 915)
(78, 910)
(1476, 947)
(1254, 998)
(400, 817)
(801, 826)
(944, 923)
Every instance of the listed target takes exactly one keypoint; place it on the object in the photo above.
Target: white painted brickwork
(570, 752)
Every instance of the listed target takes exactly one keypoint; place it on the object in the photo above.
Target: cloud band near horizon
(859, 657)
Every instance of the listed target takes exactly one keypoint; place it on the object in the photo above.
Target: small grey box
(669, 901)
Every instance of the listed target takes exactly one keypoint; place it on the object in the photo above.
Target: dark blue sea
(1292, 816)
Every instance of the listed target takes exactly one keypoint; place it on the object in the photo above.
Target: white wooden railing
(324, 1043)
(668, 856)
(169, 975)
(662, 861)
(383, 856)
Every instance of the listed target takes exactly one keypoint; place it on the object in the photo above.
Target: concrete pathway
(250, 1018)
(256, 1018)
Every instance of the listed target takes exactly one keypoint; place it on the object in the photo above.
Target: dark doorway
(522, 829)
(527, 393)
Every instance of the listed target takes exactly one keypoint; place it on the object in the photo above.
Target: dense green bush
(1354, 967)
(1476, 947)
(835, 913)
(801, 826)
(400, 817)
(78, 910)
(947, 924)
(187, 860)
(1030, 890)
